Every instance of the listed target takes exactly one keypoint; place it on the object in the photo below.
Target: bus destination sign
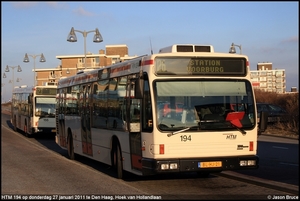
(201, 66)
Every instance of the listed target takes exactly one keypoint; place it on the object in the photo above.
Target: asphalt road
(87, 175)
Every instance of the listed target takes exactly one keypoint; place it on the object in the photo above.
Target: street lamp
(26, 60)
(232, 48)
(72, 38)
(13, 79)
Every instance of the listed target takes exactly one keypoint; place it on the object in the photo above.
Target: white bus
(33, 109)
(185, 109)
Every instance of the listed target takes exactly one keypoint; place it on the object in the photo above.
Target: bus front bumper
(213, 164)
(44, 130)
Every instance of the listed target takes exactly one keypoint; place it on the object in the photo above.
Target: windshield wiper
(180, 131)
(241, 130)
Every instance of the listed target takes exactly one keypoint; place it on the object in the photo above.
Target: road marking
(280, 147)
(290, 164)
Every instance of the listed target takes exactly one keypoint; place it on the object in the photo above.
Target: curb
(289, 188)
(295, 137)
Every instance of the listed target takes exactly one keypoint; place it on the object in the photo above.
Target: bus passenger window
(136, 115)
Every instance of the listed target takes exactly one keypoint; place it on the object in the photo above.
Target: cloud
(33, 4)
(24, 4)
(82, 12)
(293, 39)
(57, 4)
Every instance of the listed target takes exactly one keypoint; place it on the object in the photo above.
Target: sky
(265, 31)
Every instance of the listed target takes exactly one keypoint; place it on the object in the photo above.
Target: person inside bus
(191, 114)
(204, 111)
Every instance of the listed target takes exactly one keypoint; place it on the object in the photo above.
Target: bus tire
(70, 147)
(118, 163)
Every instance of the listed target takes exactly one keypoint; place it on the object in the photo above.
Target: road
(279, 160)
(37, 166)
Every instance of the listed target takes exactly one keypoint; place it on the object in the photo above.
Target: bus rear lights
(247, 163)
(169, 166)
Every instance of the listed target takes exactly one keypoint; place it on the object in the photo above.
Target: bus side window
(135, 115)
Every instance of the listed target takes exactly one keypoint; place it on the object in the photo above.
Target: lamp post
(26, 60)
(19, 79)
(232, 48)
(72, 38)
(13, 72)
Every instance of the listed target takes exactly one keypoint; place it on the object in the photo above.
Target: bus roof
(187, 48)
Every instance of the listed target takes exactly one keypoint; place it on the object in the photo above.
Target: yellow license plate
(210, 164)
(53, 130)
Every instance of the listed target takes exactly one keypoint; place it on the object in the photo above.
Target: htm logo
(231, 137)
(6, 197)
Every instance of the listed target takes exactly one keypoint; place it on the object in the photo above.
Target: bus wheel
(70, 147)
(118, 163)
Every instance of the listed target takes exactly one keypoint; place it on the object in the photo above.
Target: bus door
(30, 112)
(85, 120)
(134, 126)
(62, 111)
(19, 114)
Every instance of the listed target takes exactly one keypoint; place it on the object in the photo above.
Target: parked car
(275, 112)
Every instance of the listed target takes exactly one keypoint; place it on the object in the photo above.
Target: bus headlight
(251, 162)
(173, 166)
(168, 166)
(247, 163)
(164, 166)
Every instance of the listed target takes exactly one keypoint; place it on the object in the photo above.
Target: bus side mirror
(139, 88)
(263, 122)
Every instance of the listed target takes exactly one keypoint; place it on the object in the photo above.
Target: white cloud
(82, 12)
(24, 4)
(293, 39)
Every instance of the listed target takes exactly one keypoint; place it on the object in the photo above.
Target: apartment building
(267, 79)
(71, 64)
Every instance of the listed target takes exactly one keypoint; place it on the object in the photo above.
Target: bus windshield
(45, 106)
(204, 105)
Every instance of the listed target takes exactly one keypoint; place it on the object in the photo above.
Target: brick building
(71, 64)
